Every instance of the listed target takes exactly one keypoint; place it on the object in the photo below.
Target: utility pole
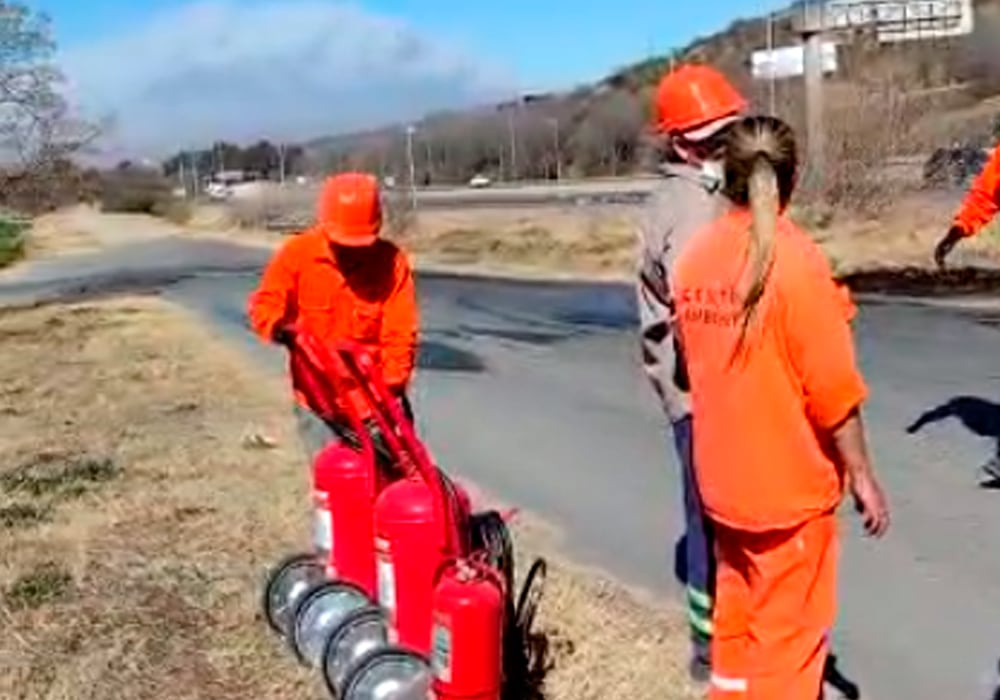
(195, 176)
(554, 121)
(429, 163)
(281, 162)
(181, 174)
(410, 130)
(513, 142)
(812, 38)
(771, 79)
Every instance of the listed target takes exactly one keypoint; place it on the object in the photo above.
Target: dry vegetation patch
(137, 520)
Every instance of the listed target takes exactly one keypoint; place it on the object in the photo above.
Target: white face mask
(713, 174)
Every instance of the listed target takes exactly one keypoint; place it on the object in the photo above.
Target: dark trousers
(696, 553)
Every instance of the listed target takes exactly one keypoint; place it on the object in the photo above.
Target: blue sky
(170, 70)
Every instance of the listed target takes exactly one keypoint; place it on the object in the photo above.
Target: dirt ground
(139, 510)
(85, 229)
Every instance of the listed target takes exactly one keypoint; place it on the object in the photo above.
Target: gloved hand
(946, 245)
(283, 335)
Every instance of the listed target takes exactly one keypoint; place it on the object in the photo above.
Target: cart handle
(348, 360)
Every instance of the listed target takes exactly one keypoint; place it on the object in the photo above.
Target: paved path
(533, 391)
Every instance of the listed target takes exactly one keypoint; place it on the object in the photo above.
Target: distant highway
(624, 191)
(298, 210)
(606, 191)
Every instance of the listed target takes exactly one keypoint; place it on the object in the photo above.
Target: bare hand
(870, 502)
(946, 245)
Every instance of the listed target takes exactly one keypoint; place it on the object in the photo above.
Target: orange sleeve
(269, 303)
(983, 201)
(820, 346)
(400, 319)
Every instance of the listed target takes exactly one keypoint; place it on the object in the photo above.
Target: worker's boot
(700, 667)
(992, 469)
(700, 670)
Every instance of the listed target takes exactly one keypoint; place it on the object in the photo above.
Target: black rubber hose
(525, 653)
(489, 534)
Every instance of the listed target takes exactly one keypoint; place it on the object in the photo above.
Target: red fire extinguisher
(442, 600)
(415, 517)
(343, 498)
(345, 481)
(467, 639)
(412, 544)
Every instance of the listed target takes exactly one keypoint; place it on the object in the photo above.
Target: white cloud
(279, 69)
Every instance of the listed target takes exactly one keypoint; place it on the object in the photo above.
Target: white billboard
(789, 62)
(902, 20)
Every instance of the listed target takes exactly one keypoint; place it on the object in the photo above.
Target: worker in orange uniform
(342, 282)
(693, 108)
(979, 208)
(776, 402)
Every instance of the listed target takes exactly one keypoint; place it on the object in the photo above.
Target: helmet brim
(354, 237)
(707, 131)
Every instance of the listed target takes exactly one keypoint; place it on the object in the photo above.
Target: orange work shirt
(983, 201)
(762, 419)
(372, 302)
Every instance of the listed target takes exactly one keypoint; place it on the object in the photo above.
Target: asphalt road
(533, 391)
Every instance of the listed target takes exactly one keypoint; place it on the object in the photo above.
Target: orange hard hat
(693, 99)
(350, 209)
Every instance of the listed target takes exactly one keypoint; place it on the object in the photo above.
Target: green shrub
(47, 583)
(13, 237)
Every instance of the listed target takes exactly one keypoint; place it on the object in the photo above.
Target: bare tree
(38, 134)
(35, 123)
(608, 139)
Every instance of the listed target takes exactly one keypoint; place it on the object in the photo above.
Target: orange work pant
(775, 603)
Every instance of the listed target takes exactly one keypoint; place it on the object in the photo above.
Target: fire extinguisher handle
(400, 435)
(347, 366)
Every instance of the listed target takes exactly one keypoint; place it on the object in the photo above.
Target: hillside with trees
(908, 96)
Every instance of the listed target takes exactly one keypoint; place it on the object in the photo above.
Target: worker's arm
(657, 335)
(852, 449)
(815, 321)
(816, 325)
(983, 201)
(978, 209)
(269, 305)
(400, 320)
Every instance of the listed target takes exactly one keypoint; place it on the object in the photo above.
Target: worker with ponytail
(776, 399)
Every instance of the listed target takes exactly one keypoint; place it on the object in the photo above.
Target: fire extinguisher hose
(524, 651)
(490, 535)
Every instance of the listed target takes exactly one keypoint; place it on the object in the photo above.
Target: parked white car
(479, 180)
(217, 190)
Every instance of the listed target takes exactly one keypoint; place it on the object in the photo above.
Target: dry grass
(580, 240)
(607, 642)
(136, 525)
(574, 242)
(61, 233)
(903, 236)
(83, 229)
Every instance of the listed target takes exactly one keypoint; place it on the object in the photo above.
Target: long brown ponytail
(760, 165)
